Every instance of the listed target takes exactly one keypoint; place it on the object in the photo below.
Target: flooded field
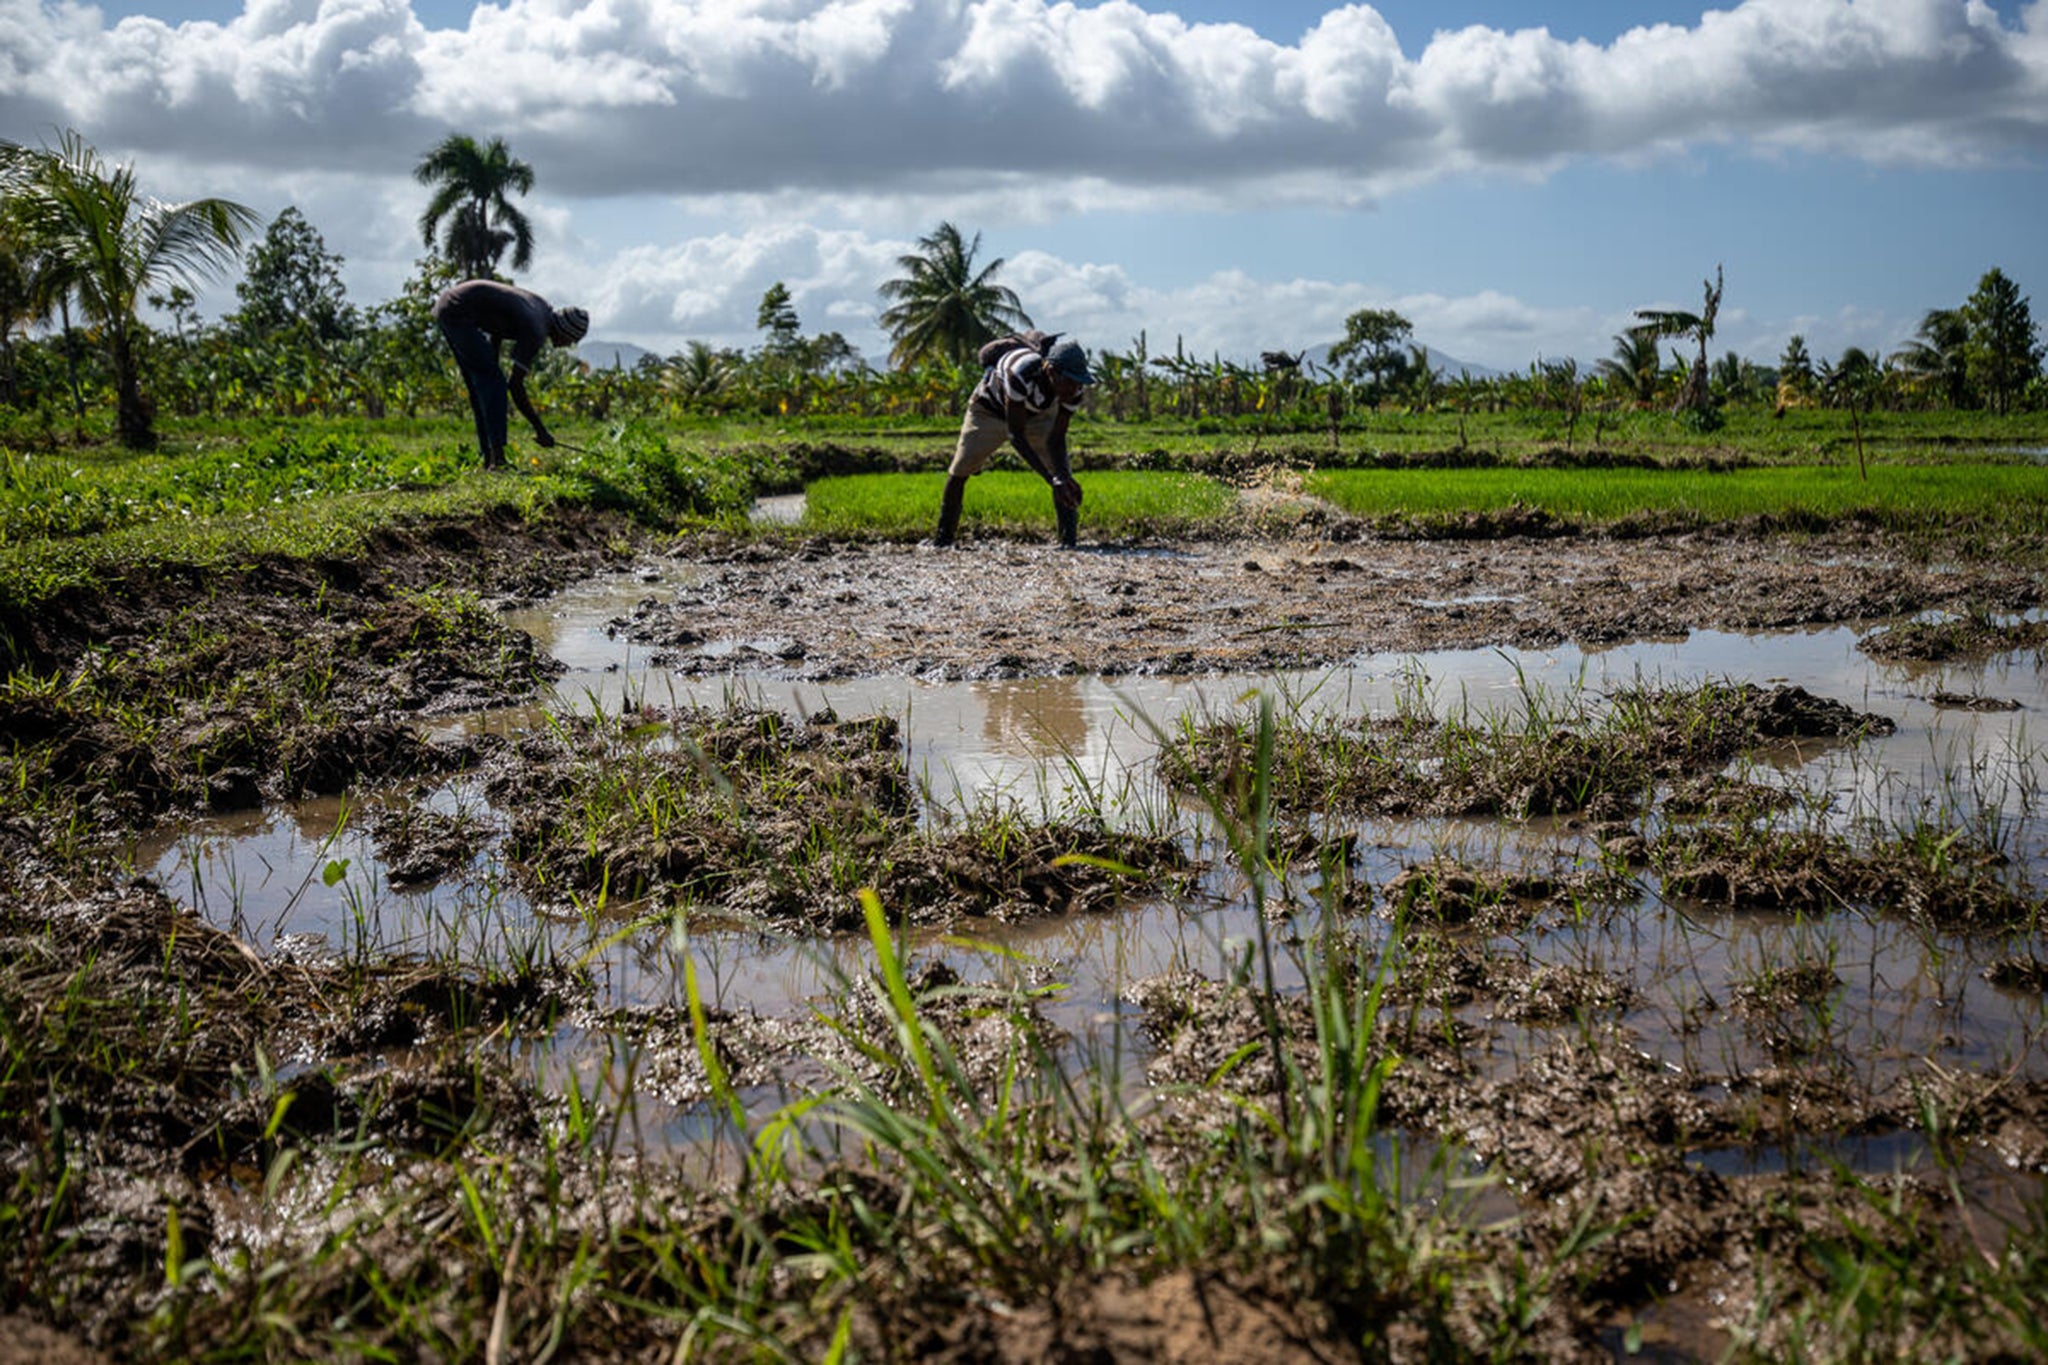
(1536, 949)
(1893, 999)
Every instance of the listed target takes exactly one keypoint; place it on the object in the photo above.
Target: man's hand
(544, 439)
(1067, 493)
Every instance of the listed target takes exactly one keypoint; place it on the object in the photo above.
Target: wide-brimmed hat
(570, 324)
(1069, 359)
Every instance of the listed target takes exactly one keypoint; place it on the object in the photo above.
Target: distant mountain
(1451, 367)
(608, 355)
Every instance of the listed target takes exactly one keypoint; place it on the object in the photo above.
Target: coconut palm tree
(943, 309)
(1853, 382)
(1665, 322)
(1635, 364)
(472, 208)
(699, 374)
(1795, 372)
(1937, 358)
(107, 246)
(1852, 379)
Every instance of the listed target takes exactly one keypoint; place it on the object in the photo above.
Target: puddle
(1867, 1154)
(1906, 998)
(783, 509)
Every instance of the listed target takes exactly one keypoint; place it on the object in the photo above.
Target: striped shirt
(1020, 377)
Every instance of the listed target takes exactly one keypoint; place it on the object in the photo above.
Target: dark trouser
(489, 398)
(949, 510)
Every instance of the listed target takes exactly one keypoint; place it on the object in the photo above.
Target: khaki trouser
(982, 435)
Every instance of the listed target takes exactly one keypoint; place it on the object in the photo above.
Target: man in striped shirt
(1026, 399)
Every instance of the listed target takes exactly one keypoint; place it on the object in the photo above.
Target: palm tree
(1938, 356)
(20, 306)
(1795, 373)
(1635, 364)
(1664, 322)
(474, 184)
(942, 309)
(107, 247)
(699, 374)
(1853, 382)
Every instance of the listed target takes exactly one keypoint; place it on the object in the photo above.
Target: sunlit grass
(1981, 495)
(69, 518)
(1119, 503)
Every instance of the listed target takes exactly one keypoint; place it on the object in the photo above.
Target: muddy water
(1906, 996)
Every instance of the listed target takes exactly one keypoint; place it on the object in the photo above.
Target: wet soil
(771, 821)
(176, 692)
(164, 1074)
(1592, 1131)
(998, 608)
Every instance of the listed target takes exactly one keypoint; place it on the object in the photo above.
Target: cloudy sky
(1514, 176)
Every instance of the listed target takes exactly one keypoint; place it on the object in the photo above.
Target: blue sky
(1515, 178)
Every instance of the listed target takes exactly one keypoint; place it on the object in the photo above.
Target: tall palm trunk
(134, 415)
(71, 368)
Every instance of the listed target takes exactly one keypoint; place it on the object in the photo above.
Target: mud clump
(419, 846)
(1936, 879)
(1971, 701)
(1605, 766)
(1975, 635)
(1447, 893)
(751, 817)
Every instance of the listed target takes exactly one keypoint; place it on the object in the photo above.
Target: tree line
(82, 252)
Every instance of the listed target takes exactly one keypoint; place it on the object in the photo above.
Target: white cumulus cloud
(885, 115)
(714, 96)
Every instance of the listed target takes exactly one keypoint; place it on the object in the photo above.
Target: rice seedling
(1120, 505)
(1919, 498)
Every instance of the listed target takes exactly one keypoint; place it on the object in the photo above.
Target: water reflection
(1035, 718)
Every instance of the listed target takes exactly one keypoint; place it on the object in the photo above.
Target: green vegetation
(99, 242)
(312, 490)
(1918, 498)
(76, 243)
(1120, 504)
(219, 493)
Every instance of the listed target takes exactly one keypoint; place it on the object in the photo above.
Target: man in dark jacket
(1026, 399)
(478, 317)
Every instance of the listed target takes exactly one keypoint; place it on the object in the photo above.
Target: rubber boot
(1070, 526)
(949, 512)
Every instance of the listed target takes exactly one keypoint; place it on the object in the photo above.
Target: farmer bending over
(1025, 398)
(479, 316)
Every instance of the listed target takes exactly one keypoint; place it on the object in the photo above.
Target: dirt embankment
(501, 557)
(175, 691)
